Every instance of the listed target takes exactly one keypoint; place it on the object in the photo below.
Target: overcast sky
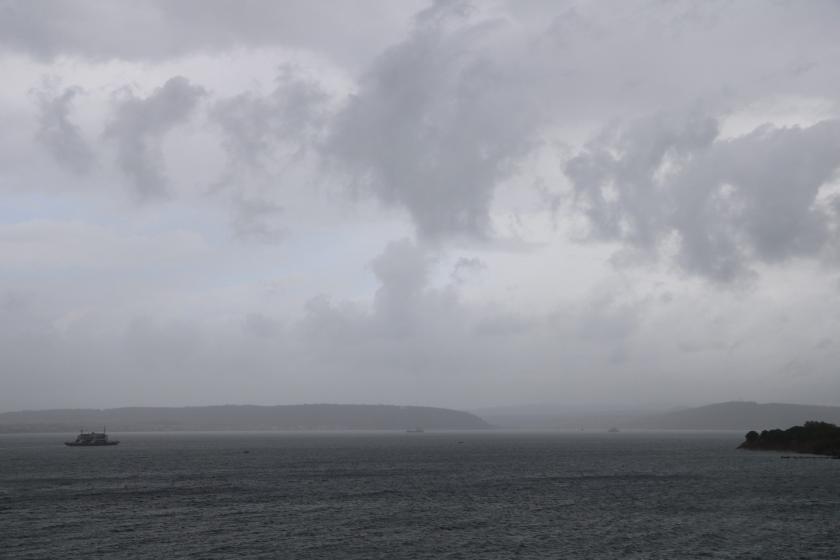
(459, 204)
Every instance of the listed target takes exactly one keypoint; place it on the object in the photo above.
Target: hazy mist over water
(433, 495)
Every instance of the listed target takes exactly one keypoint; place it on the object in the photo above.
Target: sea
(393, 495)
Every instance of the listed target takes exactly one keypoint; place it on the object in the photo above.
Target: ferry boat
(91, 439)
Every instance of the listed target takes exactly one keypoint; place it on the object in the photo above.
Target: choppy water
(433, 495)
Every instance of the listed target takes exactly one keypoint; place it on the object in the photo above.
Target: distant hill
(720, 416)
(242, 417)
(567, 416)
(738, 415)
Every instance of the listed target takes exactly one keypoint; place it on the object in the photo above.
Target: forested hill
(820, 438)
(242, 417)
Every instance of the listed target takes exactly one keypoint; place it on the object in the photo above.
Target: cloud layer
(139, 124)
(436, 202)
(723, 202)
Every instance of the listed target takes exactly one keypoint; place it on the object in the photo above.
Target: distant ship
(417, 430)
(613, 430)
(91, 439)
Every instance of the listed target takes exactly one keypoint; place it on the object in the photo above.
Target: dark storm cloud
(439, 120)
(138, 126)
(729, 202)
(57, 132)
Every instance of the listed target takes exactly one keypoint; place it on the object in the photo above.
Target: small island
(818, 438)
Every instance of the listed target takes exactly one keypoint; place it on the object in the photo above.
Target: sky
(445, 203)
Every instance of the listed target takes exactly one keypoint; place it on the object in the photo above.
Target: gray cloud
(453, 125)
(504, 325)
(159, 345)
(726, 203)
(62, 138)
(258, 220)
(402, 270)
(439, 120)
(139, 124)
(261, 326)
(268, 139)
(283, 124)
(416, 336)
(466, 267)
(403, 307)
(159, 29)
(413, 341)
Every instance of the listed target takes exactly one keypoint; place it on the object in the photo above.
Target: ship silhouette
(91, 439)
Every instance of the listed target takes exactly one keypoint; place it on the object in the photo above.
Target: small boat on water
(91, 439)
(613, 430)
(417, 430)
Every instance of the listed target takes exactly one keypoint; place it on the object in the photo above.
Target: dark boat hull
(74, 444)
